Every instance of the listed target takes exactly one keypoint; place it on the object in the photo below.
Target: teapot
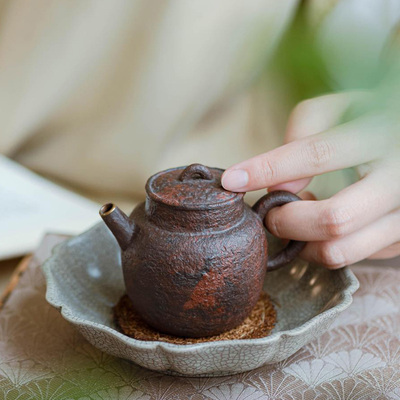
(194, 255)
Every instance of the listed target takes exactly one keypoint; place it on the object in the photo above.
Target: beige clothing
(101, 94)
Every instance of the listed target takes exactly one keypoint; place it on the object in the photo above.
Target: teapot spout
(119, 224)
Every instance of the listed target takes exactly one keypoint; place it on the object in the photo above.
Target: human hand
(362, 220)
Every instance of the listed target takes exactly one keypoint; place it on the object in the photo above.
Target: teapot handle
(262, 207)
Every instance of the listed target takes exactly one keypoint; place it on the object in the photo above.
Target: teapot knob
(195, 171)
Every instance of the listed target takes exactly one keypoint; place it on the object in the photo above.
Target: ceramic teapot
(194, 255)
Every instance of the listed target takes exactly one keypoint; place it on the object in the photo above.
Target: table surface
(42, 356)
(7, 268)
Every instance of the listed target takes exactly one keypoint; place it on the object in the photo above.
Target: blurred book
(31, 206)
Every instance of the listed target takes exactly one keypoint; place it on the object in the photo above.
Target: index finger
(343, 146)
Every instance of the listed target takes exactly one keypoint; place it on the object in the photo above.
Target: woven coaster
(258, 324)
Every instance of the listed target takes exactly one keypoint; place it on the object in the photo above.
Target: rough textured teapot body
(194, 256)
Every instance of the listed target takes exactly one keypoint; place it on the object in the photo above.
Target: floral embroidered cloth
(43, 357)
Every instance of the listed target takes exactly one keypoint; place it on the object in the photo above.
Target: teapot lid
(193, 187)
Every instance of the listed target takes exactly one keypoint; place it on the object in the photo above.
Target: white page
(32, 206)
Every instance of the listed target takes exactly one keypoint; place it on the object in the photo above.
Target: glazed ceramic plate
(84, 281)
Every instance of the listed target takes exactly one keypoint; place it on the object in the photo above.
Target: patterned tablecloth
(43, 357)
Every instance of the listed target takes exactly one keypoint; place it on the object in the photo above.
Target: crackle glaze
(84, 280)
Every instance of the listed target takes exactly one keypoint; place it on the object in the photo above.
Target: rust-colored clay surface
(194, 255)
(258, 324)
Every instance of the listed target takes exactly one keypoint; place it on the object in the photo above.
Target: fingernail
(235, 179)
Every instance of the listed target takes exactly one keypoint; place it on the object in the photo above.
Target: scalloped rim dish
(350, 285)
